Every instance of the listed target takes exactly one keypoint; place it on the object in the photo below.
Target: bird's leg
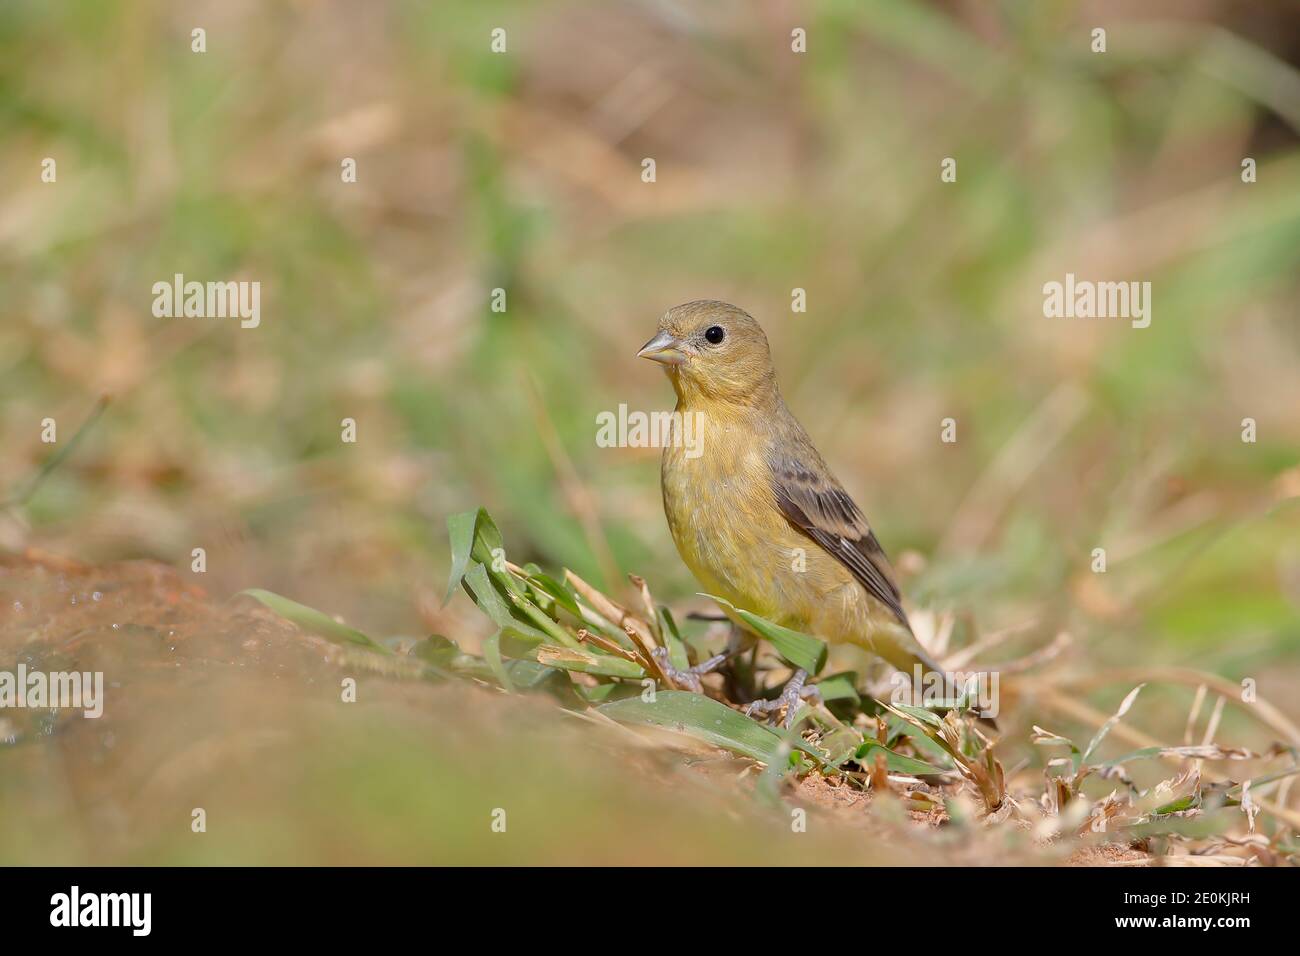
(690, 677)
(738, 683)
(794, 691)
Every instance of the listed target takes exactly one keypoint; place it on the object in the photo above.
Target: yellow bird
(753, 509)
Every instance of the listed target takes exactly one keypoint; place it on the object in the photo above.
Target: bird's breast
(723, 518)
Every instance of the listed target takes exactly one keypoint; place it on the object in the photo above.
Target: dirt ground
(225, 708)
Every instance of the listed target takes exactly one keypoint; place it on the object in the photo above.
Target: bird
(755, 513)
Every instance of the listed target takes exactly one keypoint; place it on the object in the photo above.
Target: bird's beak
(663, 348)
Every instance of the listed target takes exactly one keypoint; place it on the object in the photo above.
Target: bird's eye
(714, 334)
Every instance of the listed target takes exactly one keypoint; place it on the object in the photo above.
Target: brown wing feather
(818, 507)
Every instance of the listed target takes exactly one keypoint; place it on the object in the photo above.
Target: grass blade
(798, 649)
(584, 662)
(492, 654)
(310, 619)
(1125, 704)
(460, 530)
(899, 763)
(705, 719)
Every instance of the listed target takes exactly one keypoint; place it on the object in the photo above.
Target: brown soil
(225, 706)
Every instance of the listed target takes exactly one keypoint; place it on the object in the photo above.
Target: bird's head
(713, 351)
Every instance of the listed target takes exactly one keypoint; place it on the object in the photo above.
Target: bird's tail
(897, 645)
(900, 648)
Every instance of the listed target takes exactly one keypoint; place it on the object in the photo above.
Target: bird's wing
(818, 507)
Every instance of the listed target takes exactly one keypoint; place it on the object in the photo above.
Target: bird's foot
(690, 677)
(790, 697)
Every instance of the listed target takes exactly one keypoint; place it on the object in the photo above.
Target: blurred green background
(775, 171)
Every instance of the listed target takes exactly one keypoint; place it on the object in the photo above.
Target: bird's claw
(690, 677)
(795, 691)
